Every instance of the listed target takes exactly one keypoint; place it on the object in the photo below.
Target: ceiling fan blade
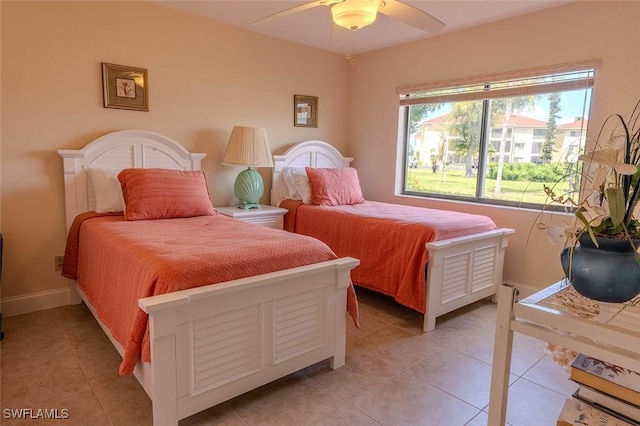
(412, 16)
(292, 10)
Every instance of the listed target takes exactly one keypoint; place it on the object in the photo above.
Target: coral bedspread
(389, 240)
(116, 262)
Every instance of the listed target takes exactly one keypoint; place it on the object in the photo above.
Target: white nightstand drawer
(269, 216)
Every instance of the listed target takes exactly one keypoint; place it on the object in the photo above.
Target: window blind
(556, 78)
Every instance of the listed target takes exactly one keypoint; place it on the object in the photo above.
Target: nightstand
(269, 216)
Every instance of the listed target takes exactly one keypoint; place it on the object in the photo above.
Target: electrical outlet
(59, 260)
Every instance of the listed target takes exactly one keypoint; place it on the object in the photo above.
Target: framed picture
(305, 111)
(125, 87)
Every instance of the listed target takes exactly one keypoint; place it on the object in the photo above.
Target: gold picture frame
(125, 87)
(305, 111)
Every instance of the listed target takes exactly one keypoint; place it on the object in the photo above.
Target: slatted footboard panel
(468, 272)
(299, 324)
(226, 347)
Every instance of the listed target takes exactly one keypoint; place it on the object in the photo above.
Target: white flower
(609, 158)
(558, 235)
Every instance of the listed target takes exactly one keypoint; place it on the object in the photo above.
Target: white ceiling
(313, 27)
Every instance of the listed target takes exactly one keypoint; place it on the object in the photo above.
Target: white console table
(610, 332)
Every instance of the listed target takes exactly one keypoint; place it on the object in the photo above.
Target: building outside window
(496, 141)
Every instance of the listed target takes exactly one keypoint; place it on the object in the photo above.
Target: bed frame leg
(163, 353)
(340, 341)
(336, 362)
(339, 354)
(429, 323)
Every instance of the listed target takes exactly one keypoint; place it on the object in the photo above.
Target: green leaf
(615, 197)
(582, 218)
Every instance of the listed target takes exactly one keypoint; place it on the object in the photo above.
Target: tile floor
(394, 375)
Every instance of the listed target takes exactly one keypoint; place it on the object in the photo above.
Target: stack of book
(607, 395)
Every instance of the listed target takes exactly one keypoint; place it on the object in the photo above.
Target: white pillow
(297, 183)
(107, 190)
(303, 187)
(287, 175)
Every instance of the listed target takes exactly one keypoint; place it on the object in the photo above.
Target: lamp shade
(248, 146)
(355, 14)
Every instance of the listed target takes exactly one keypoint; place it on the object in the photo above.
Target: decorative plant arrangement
(601, 257)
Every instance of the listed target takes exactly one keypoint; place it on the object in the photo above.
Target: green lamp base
(249, 188)
(249, 206)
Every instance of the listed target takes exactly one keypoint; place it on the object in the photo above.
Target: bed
(188, 330)
(454, 271)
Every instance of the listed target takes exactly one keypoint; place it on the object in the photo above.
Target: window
(496, 133)
(497, 140)
(540, 133)
(536, 147)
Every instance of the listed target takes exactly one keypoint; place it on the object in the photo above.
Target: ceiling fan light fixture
(355, 14)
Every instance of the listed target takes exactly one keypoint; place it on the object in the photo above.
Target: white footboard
(463, 270)
(213, 343)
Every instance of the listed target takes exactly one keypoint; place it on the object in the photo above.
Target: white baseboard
(18, 305)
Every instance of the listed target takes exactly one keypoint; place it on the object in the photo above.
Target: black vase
(608, 273)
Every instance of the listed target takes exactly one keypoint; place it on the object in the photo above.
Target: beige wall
(580, 31)
(204, 78)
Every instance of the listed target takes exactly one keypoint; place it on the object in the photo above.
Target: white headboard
(304, 154)
(117, 151)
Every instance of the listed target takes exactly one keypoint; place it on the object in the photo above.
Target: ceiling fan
(356, 14)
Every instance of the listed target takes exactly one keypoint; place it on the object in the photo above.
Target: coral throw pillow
(334, 187)
(164, 194)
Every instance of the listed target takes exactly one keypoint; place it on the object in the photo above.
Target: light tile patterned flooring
(394, 375)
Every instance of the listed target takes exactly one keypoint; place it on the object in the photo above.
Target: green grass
(453, 182)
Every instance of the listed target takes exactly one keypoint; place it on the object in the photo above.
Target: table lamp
(248, 146)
